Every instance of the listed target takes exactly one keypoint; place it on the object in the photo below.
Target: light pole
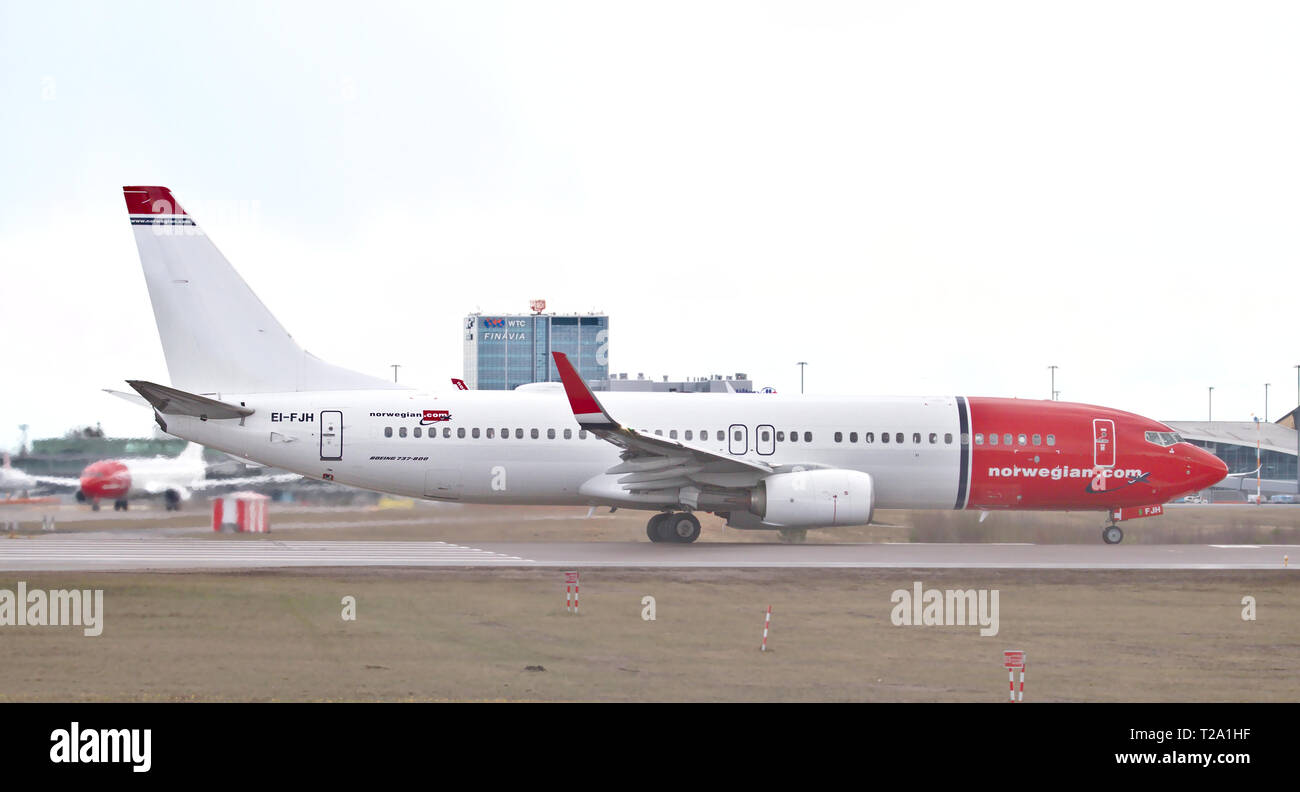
(1211, 418)
(801, 364)
(1266, 384)
(1053, 368)
(395, 367)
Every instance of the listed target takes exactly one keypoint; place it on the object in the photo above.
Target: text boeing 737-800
(241, 384)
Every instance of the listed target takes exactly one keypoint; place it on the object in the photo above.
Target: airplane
(240, 383)
(13, 480)
(175, 478)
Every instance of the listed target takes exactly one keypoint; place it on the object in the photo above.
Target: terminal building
(504, 351)
(714, 383)
(1236, 443)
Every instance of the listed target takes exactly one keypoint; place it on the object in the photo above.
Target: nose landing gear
(680, 527)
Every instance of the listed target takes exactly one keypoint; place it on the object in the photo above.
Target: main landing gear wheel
(679, 527)
(682, 527)
(1112, 534)
(652, 527)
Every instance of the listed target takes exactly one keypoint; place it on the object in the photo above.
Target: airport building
(1236, 443)
(504, 351)
(714, 383)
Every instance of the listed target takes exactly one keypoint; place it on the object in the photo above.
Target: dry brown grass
(469, 634)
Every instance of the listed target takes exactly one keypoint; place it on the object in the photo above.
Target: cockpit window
(1164, 438)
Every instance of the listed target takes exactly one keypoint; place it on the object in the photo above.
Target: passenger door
(1103, 442)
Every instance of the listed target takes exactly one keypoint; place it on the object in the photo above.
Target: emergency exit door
(738, 439)
(331, 434)
(1103, 442)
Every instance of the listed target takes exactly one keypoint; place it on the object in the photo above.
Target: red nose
(1207, 469)
(107, 479)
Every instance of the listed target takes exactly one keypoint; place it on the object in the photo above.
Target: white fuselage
(545, 459)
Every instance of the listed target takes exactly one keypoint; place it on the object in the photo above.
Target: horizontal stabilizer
(135, 399)
(170, 401)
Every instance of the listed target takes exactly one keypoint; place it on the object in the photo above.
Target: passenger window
(780, 437)
(916, 438)
(1051, 440)
(1038, 439)
(659, 432)
(870, 437)
(764, 435)
(474, 433)
(1006, 438)
(460, 433)
(965, 438)
(519, 434)
(884, 437)
(550, 434)
(898, 437)
(401, 432)
(446, 431)
(491, 433)
(505, 433)
(794, 437)
(582, 434)
(1020, 439)
(947, 438)
(839, 437)
(979, 438)
(388, 431)
(568, 434)
(417, 431)
(533, 433)
(993, 439)
(738, 435)
(721, 435)
(934, 438)
(688, 434)
(672, 434)
(853, 437)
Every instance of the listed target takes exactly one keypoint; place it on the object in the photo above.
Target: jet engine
(814, 498)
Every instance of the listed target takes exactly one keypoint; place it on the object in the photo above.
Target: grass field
(471, 635)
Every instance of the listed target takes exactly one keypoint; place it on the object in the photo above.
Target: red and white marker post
(571, 592)
(767, 622)
(1011, 660)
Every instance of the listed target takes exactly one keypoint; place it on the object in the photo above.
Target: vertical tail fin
(216, 335)
(192, 452)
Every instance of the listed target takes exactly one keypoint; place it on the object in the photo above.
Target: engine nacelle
(815, 498)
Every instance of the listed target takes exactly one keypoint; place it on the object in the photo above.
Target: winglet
(585, 407)
(151, 200)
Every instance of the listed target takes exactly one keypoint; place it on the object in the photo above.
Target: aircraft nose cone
(105, 480)
(1207, 469)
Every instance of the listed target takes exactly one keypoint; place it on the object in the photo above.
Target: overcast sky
(915, 198)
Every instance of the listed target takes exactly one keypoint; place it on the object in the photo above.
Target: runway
(105, 552)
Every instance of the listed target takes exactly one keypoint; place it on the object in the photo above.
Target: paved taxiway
(106, 552)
